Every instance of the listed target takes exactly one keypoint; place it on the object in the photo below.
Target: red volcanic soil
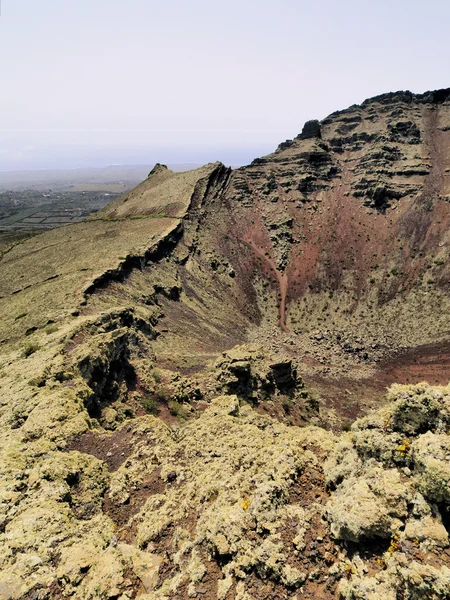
(351, 397)
(430, 363)
(282, 281)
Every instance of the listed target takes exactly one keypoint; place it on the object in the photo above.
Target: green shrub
(162, 394)
(156, 374)
(347, 424)
(177, 409)
(150, 405)
(30, 349)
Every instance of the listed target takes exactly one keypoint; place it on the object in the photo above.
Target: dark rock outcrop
(311, 129)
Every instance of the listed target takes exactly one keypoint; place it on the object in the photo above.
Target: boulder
(431, 456)
(369, 506)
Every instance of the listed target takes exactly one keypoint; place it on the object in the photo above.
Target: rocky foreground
(193, 382)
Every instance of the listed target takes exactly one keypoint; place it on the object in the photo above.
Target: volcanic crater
(334, 250)
(194, 380)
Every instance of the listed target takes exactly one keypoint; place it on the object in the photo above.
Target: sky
(99, 82)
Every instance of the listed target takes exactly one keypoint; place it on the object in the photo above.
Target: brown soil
(430, 362)
(132, 584)
(282, 283)
(352, 397)
(112, 449)
(77, 339)
(207, 587)
(121, 513)
(321, 550)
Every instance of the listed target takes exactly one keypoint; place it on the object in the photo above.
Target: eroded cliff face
(176, 375)
(347, 222)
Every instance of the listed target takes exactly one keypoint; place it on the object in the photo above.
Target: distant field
(114, 179)
(112, 188)
(36, 201)
(31, 209)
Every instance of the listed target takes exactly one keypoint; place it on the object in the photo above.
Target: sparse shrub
(37, 381)
(30, 349)
(162, 394)
(156, 374)
(150, 405)
(177, 409)
(347, 425)
(51, 329)
(245, 503)
(21, 316)
(174, 407)
(394, 545)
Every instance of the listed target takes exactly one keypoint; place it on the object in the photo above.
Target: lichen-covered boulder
(431, 456)
(422, 581)
(427, 529)
(366, 588)
(369, 506)
(343, 462)
(416, 409)
(424, 524)
(410, 580)
(411, 410)
(387, 448)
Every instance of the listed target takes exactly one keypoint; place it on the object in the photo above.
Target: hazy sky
(96, 82)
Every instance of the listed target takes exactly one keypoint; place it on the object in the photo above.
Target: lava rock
(311, 129)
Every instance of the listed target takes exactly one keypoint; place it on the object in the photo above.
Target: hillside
(194, 381)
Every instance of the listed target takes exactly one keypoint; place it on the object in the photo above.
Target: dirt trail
(283, 283)
(435, 182)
